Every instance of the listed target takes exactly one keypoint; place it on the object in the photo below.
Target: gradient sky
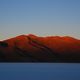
(40, 17)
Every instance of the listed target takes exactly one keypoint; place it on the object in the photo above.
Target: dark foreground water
(39, 71)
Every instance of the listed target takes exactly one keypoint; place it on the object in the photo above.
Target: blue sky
(40, 17)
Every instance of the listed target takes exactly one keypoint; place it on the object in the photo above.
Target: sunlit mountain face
(31, 48)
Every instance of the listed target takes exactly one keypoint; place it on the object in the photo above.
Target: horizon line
(38, 36)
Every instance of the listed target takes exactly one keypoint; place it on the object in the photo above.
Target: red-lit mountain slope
(31, 48)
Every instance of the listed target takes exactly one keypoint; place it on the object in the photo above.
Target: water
(39, 71)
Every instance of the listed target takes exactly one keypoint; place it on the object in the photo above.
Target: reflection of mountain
(31, 48)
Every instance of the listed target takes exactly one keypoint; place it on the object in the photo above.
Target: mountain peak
(31, 48)
(32, 35)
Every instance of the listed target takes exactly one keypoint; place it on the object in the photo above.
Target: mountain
(31, 48)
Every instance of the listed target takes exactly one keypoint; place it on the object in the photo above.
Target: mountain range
(31, 48)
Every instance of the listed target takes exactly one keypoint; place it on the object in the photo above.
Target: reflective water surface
(39, 71)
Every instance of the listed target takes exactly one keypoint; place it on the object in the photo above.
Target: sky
(39, 17)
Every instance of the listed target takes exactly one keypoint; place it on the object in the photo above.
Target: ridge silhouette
(31, 48)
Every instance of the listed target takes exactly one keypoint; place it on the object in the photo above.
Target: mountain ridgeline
(31, 48)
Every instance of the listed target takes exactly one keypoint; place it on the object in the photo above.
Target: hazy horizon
(5, 38)
(39, 17)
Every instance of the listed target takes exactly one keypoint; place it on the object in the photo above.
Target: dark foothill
(3, 44)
